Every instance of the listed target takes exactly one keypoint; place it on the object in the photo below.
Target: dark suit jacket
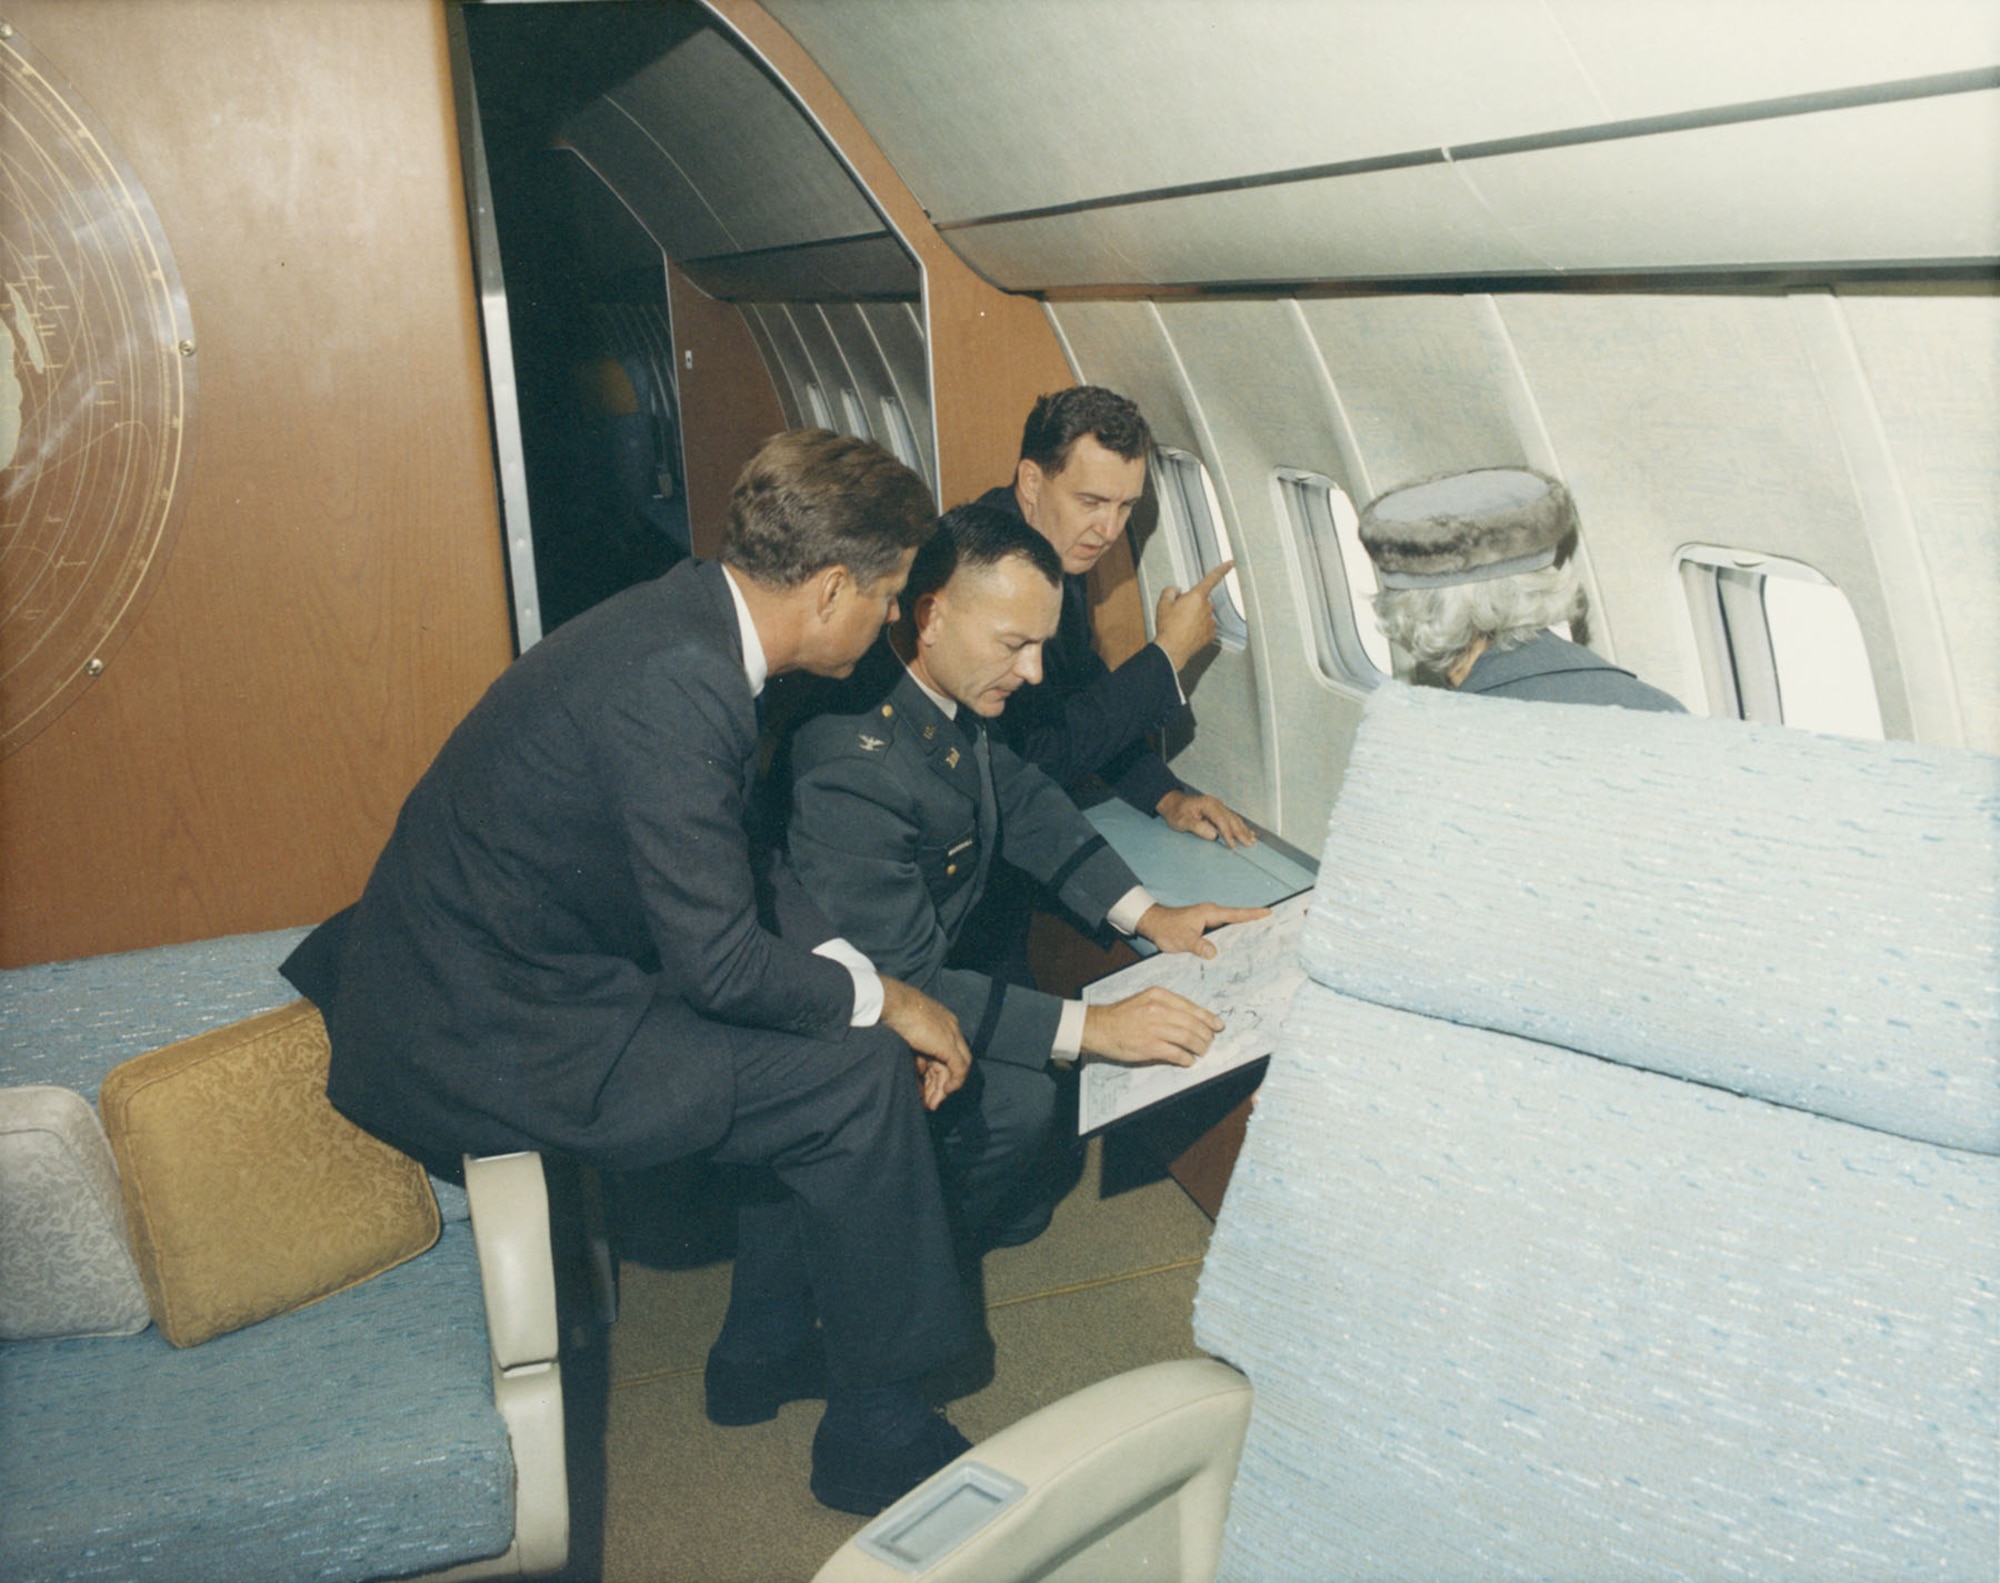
(897, 813)
(567, 899)
(1083, 718)
(1556, 671)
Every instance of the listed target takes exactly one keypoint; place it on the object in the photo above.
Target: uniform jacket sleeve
(860, 849)
(1043, 834)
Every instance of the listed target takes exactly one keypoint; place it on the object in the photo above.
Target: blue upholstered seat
(355, 1438)
(1698, 1278)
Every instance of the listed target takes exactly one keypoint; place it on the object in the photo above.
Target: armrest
(510, 1225)
(509, 1199)
(1127, 1478)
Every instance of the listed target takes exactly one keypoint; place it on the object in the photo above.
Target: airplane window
(902, 438)
(1779, 643)
(1197, 537)
(1337, 580)
(822, 415)
(857, 415)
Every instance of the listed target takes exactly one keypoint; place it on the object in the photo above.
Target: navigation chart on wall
(1248, 985)
(96, 394)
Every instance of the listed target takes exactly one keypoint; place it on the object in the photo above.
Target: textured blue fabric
(1513, 1312)
(68, 1023)
(1811, 920)
(356, 1438)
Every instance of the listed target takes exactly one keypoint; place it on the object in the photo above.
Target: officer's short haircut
(1063, 417)
(977, 536)
(810, 499)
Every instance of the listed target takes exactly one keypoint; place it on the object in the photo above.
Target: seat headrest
(1808, 919)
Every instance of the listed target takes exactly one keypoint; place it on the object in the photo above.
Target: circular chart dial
(96, 395)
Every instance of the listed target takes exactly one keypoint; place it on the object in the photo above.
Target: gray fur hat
(1467, 527)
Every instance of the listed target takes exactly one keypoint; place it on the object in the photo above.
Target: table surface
(1198, 1135)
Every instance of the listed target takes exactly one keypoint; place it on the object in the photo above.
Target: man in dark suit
(560, 948)
(901, 803)
(1081, 471)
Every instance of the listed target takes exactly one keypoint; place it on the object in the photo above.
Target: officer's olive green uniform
(898, 812)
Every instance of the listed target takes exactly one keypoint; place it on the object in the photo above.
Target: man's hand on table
(1194, 813)
(1154, 1025)
(1182, 928)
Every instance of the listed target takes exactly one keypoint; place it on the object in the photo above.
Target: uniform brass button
(887, 711)
(951, 868)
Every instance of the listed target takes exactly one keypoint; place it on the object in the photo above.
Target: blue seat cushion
(1513, 1312)
(353, 1439)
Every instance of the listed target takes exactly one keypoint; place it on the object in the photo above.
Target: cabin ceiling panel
(996, 114)
(631, 163)
(1694, 419)
(720, 126)
(872, 268)
(986, 108)
(1663, 56)
(1913, 180)
(1933, 368)
(1415, 378)
(1385, 224)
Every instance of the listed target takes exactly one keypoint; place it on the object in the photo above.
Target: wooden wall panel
(728, 403)
(992, 353)
(335, 600)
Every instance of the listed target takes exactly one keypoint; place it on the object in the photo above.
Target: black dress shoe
(1022, 1227)
(852, 1476)
(740, 1393)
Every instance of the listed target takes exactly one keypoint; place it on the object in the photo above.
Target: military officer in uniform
(901, 803)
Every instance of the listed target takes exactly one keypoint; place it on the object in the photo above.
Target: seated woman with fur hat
(1474, 569)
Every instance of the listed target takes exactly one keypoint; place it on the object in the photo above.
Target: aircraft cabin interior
(1616, 1190)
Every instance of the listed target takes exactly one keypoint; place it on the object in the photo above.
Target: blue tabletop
(1179, 869)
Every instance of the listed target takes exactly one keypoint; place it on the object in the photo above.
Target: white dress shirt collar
(756, 669)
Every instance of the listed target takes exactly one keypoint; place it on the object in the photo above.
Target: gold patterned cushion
(247, 1193)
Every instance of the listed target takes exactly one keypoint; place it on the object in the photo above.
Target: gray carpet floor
(1108, 1287)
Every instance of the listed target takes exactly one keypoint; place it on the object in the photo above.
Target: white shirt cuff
(1069, 1032)
(1176, 674)
(867, 982)
(1130, 908)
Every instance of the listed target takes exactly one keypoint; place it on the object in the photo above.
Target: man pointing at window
(1082, 470)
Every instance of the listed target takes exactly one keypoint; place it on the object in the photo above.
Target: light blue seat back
(1567, 1306)
(1808, 919)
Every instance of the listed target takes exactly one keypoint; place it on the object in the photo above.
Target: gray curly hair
(1435, 626)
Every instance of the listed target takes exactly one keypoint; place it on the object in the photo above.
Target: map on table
(1248, 985)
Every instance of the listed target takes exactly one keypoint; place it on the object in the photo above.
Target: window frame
(1198, 538)
(1336, 641)
(1740, 666)
(901, 434)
